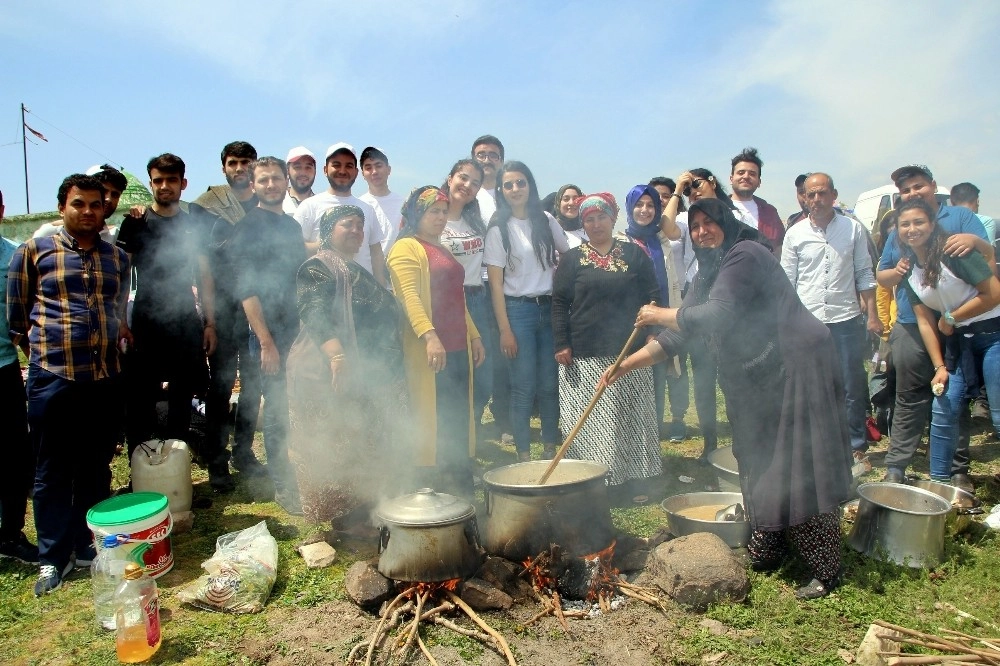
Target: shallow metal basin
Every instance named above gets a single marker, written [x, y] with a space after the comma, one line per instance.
[735, 534]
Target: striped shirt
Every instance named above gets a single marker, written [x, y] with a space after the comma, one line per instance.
[68, 302]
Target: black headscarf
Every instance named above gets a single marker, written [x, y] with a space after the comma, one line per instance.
[710, 260]
[567, 223]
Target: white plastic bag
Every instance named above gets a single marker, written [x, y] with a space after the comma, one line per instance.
[993, 520]
[240, 575]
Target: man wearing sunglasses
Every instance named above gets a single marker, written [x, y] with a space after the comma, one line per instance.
[745, 179]
[488, 151]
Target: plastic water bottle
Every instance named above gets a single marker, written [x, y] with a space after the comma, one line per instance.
[106, 573]
[137, 616]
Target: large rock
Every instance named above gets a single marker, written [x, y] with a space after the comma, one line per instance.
[318, 555]
[366, 586]
[697, 570]
[873, 643]
[483, 596]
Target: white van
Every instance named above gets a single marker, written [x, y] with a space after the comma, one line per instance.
[873, 204]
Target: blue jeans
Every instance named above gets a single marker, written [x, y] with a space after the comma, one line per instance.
[73, 427]
[849, 340]
[945, 409]
[477, 300]
[533, 372]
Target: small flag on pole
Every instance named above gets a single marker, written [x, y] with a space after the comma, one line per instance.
[35, 132]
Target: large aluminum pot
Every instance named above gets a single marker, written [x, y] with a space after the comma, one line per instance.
[571, 509]
[901, 524]
[427, 537]
[736, 534]
[964, 505]
[726, 469]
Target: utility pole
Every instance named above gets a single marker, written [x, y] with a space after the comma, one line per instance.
[24, 146]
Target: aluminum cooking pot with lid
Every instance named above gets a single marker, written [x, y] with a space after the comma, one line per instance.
[428, 537]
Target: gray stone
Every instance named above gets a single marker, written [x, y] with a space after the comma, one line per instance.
[183, 522]
[872, 645]
[317, 537]
[714, 627]
[633, 561]
[697, 570]
[366, 586]
[318, 555]
[483, 596]
[499, 573]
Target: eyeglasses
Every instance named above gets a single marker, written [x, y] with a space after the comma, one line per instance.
[491, 155]
[695, 184]
[520, 183]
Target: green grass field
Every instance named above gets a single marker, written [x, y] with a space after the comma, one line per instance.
[771, 627]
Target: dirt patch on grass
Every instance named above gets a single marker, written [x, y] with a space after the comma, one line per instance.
[635, 635]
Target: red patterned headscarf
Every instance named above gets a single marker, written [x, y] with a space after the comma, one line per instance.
[602, 201]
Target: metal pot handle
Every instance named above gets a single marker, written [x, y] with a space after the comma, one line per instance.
[972, 511]
[472, 532]
[383, 538]
[489, 504]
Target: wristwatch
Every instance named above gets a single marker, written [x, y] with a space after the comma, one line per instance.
[949, 318]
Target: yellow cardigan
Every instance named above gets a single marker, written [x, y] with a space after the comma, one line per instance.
[410, 273]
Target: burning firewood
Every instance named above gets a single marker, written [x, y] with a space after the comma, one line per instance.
[592, 577]
[412, 601]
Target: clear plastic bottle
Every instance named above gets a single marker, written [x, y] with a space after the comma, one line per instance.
[137, 616]
[106, 573]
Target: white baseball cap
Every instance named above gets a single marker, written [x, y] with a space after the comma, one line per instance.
[341, 147]
[299, 152]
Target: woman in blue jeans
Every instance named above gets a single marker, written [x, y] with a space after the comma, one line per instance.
[465, 237]
[522, 242]
[958, 297]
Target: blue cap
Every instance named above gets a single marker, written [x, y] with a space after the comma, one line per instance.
[114, 540]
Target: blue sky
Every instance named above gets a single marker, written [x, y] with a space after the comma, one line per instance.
[604, 95]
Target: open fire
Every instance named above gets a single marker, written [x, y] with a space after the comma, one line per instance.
[411, 607]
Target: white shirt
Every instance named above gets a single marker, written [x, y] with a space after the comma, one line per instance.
[289, 204]
[684, 257]
[576, 237]
[487, 203]
[523, 275]
[828, 267]
[950, 293]
[388, 210]
[310, 210]
[467, 247]
[750, 210]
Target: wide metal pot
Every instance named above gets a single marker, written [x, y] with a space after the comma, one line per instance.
[427, 537]
[736, 534]
[964, 505]
[571, 509]
[726, 469]
[901, 524]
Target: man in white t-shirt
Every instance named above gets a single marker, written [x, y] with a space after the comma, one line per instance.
[488, 151]
[301, 176]
[745, 179]
[388, 205]
[341, 170]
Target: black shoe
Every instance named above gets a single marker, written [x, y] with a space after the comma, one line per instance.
[814, 589]
[963, 482]
[981, 412]
[20, 549]
[221, 481]
[49, 578]
[249, 465]
[289, 501]
[678, 431]
[766, 566]
[894, 475]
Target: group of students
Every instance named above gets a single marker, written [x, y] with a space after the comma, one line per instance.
[495, 298]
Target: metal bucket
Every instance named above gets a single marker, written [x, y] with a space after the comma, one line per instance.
[901, 524]
[726, 469]
[571, 509]
[736, 534]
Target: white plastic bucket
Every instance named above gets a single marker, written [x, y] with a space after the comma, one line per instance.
[145, 518]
